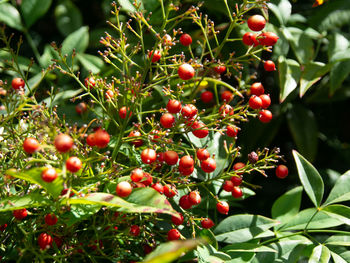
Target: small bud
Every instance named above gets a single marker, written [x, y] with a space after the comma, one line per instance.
[253, 157]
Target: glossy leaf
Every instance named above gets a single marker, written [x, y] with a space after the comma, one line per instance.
[79, 213]
[338, 42]
[338, 240]
[301, 44]
[241, 228]
[32, 10]
[341, 56]
[168, 252]
[77, 40]
[287, 205]
[312, 73]
[289, 76]
[68, 17]
[340, 212]
[10, 16]
[310, 179]
[282, 10]
[320, 220]
[91, 63]
[320, 254]
[128, 6]
[26, 201]
[247, 247]
[339, 72]
[339, 258]
[208, 236]
[34, 176]
[340, 191]
[141, 200]
[208, 253]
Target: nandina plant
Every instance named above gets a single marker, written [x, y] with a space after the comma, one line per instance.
[156, 159]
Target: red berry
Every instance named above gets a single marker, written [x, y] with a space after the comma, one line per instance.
[237, 192]
[63, 143]
[249, 39]
[186, 161]
[226, 110]
[184, 202]
[123, 112]
[207, 96]
[65, 191]
[194, 198]
[81, 108]
[155, 135]
[148, 156]
[49, 174]
[186, 171]
[156, 57]
[136, 142]
[203, 154]
[186, 71]
[90, 82]
[17, 83]
[90, 139]
[238, 166]
[265, 116]
[236, 180]
[167, 120]
[109, 94]
[269, 65]
[158, 187]
[231, 131]
[208, 165]
[228, 186]
[50, 219]
[174, 106]
[177, 220]
[123, 189]
[73, 164]
[268, 39]
[222, 207]
[200, 130]
[266, 101]
[227, 96]
[186, 39]
[257, 89]
[45, 241]
[3, 227]
[148, 179]
[20, 214]
[136, 175]
[171, 157]
[255, 102]
[31, 145]
[281, 171]
[102, 138]
[207, 223]
[58, 241]
[189, 111]
[169, 191]
[173, 234]
[256, 22]
[134, 230]
[220, 69]
[146, 249]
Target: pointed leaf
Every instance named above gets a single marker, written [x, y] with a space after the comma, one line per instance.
[77, 40]
[34, 176]
[247, 247]
[68, 17]
[340, 191]
[310, 179]
[340, 212]
[338, 240]
[141, 200]
[287, 205]
[32, 10]
[289, 76]
[313, 72]
[337, 258]
[339, 72]
[26, 201]
[10, 16]
[320, 254]
[91, 63]
[241, 228]
[340, 56]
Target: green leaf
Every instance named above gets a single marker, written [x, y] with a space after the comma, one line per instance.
[34, 176]
[337, 42]
[168, 252]
[26, 201]
[62, 96]
[32, 10]
[339, 72]
[319, 220]
[287, 205]
[342, 55]
[289, 76]
[340, 191]
[141, 200]
[310, 179]
[320, 254]
[68, 17]
[340, 212]
[10, 16]
[247, 247]
[91, 63]
[241, 228]
[335, 20]
[209, 254]
[79, 213]
[313, 71]
[338, 240]
[208, 236]
[23, 62]
[128, 6]
[338, 258]
[77, 40]
[282, 10]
